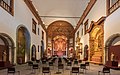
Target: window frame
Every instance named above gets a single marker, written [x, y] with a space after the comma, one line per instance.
[110, 8]
[8, 7]
[86, 26]
[82, 32]
[42, 35]
[34, 24]
[112, 3]
[78, 34]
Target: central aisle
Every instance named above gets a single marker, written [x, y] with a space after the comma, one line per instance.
[25, 69]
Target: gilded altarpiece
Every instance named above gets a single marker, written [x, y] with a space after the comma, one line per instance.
[96, 42]
[60, 38]
[78, 46]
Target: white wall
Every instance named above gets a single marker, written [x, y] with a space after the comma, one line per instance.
[98, 10]
[22, 16]
[112, 25]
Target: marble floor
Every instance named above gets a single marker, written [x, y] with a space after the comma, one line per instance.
[26, 70]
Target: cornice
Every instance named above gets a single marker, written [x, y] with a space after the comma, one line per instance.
[34, 12]
[85, 13]
[102, 19]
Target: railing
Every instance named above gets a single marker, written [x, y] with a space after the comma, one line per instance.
[114, 7]
[7, 7]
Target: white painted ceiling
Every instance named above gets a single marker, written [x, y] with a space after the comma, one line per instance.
[53, 10]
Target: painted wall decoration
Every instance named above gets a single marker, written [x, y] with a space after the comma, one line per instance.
[23, 45]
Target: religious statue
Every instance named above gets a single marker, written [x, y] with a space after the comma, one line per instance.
[112, 56]
[4, 55]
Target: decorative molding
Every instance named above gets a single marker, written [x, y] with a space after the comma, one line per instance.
[96, 41]
[50, 16]
[95, 23]
[60, 27]
[107, 7]
[85, 13]
[35, 13]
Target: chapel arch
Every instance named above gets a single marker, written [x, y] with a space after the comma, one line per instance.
[59, 29]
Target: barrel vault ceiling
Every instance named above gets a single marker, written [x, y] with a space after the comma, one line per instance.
[67, 10]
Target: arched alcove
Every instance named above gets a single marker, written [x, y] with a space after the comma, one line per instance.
[6, 50]
[86, 52]
[112, 50]
[33, 55]
[23, 44]
[42, 49]
[58, 31]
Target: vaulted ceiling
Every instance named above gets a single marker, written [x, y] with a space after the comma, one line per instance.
[61, 28]
[67, 10]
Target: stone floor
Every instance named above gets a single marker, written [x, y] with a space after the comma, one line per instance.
[25, 70]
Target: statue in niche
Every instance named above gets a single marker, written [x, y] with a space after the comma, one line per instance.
[4, 55]
[112, 56]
